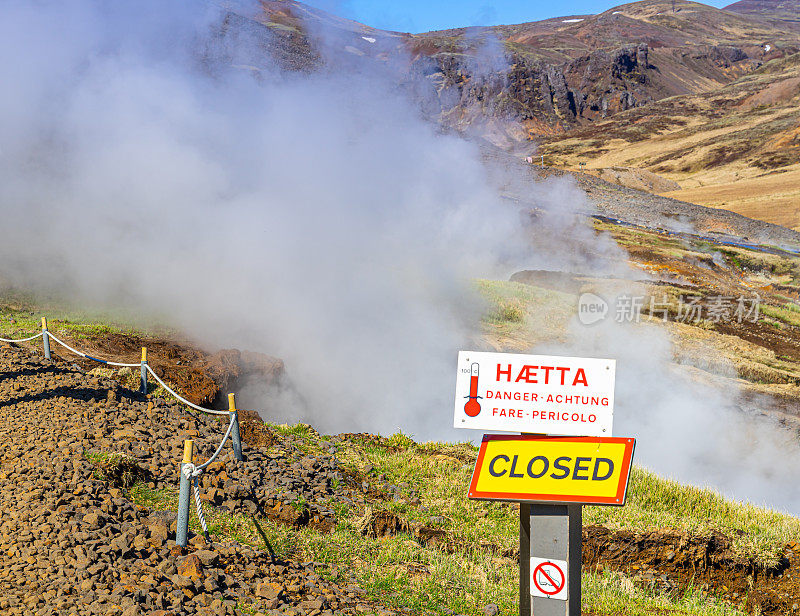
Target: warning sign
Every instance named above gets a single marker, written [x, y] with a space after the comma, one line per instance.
[549, 578]
[553, 469]
[540, 394]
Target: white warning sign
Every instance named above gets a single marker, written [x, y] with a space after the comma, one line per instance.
[549, 578]
[540, 394]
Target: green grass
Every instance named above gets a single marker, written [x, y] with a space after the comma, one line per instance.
[777, 265]
[525, 313]
[476, 567]
[788, 313]
[117, 468]
[613, 593]
[21, 316]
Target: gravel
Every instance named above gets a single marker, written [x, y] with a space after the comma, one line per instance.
[71, 543]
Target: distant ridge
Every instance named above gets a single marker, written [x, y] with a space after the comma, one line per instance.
[788, 10]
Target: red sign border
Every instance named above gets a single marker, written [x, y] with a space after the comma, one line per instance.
[539, 588]
[617, 500]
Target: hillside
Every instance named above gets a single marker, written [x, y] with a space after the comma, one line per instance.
[671, 144]
[787, 10]
[573, 71]
[737, 147]
[511, 83]
[314, 524]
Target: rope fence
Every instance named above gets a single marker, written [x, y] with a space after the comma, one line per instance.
[178, 396]
[22, 339]
[87, 356]
[189, 473]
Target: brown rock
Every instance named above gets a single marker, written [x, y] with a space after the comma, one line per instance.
[311, 605]
[191, 567]
[92, 519]
[269, 590]
[140, 542]
[181, 581]
[207, 557]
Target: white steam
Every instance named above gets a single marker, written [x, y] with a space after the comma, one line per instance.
[688, 426]
[313, 217]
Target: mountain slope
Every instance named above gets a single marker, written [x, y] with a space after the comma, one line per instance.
[737, 147]
[570, 72]
[511, 83]
[788, 10]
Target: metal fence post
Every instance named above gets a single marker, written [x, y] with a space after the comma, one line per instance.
[524, 559]
[235, 437]
[182, 533]
[45, 338]
[143, 380]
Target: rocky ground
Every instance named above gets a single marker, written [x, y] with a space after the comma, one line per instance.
[72, 542]
[75, 541]
[518, 181]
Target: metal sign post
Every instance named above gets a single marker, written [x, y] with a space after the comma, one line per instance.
[524, 559]
[554, 578]
[571, 460]
[552, 477]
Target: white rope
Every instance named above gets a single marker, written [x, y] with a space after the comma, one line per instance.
[203, 466]
[82, 354]
[181, 398]
[199, 506]
[192, 473]
[21, 339]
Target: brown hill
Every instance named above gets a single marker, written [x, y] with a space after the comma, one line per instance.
[568, 72]
[700, 96]
[545, 77]
[788, 10]
[737, 147]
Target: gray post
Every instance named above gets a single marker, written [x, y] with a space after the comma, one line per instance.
[524, 559]
[45, 338]
[143, 378]
[575, 557]
[184, 495]
[556, 533]
[235, 437]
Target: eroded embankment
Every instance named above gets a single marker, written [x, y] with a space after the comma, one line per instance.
[203, 377]
[671, 561]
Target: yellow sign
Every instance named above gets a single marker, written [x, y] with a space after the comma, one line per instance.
[553, 469]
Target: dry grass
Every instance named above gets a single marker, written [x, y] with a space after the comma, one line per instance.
[519, 316]
[737, 147]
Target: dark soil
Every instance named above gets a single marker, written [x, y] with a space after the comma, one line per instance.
[203, 378]
[671, 561]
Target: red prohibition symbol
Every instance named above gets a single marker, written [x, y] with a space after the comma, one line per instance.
[557, 578]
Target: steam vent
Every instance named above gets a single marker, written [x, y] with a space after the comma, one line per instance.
[358, 309]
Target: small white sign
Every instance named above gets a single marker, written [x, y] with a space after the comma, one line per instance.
[540, 394]
[549, 578]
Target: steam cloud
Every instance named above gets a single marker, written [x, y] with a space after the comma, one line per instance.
[317, 218]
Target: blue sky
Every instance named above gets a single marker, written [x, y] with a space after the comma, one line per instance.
[422, 15]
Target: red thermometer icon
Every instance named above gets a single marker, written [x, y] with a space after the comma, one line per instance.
[473, 407]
